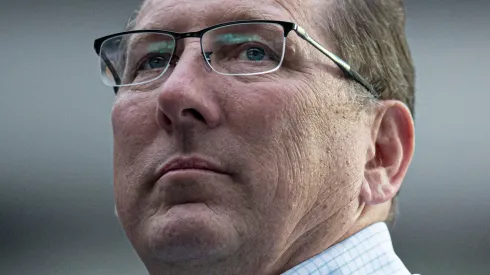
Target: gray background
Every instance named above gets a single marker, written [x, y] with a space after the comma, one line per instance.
[56, 203]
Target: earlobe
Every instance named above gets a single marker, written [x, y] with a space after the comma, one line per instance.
[377, 187]
[390, 152]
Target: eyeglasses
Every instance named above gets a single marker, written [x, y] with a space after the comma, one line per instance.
[236, 48]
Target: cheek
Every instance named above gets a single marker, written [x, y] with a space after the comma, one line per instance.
[269, 119]
[304, 144]
[134, 129]
[256, 118]
[257, 112]
[339, 138]
[134, 125]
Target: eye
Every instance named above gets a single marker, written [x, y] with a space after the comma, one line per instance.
[254, 54]
[154, 62]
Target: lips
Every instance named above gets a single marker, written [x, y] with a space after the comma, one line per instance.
[187, 186]
[194, 163]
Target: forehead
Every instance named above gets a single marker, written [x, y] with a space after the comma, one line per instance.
[190, 15]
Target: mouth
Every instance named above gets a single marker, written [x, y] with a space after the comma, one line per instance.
[188, 180]
[189, 165]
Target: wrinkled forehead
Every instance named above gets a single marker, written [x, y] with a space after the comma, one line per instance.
[191, 15]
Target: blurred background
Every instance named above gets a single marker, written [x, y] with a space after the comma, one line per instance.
[56, 202]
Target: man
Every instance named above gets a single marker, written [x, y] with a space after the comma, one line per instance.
[243, 144]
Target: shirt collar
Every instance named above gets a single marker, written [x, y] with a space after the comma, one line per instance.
[369, 251]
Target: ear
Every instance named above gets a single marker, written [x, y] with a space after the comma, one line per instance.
[389, 153]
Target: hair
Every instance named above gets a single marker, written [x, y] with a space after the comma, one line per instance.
[370, 36]
[131, 23]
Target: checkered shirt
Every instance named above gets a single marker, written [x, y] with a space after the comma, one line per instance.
[368, 252]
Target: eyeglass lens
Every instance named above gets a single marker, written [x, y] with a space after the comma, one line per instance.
[238, 49]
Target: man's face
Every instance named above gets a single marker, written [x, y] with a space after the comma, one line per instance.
[288, 146]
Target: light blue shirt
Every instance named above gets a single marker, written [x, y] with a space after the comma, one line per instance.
[368, 252]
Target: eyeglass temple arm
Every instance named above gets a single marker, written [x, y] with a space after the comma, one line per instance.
[337, 60]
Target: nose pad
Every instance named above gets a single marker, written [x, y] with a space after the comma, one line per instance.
[207, 56]
[207, 61]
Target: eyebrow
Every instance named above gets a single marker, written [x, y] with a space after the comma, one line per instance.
[246, 13]
[242, 12]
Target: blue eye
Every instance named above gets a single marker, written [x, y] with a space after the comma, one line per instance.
[155, 62]
[256, 54]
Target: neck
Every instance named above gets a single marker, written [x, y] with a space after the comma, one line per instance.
[331, 232]
[313, 239]
[245, 261]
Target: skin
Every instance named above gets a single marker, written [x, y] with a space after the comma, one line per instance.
[304, 164]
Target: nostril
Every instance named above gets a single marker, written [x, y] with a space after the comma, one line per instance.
[167, 120]
[194, 113]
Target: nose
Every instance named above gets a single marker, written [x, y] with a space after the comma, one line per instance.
[186, 98]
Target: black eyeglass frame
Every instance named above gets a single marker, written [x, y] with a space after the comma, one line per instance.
[287, 27]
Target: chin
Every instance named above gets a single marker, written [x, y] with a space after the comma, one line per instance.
[190, 232]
